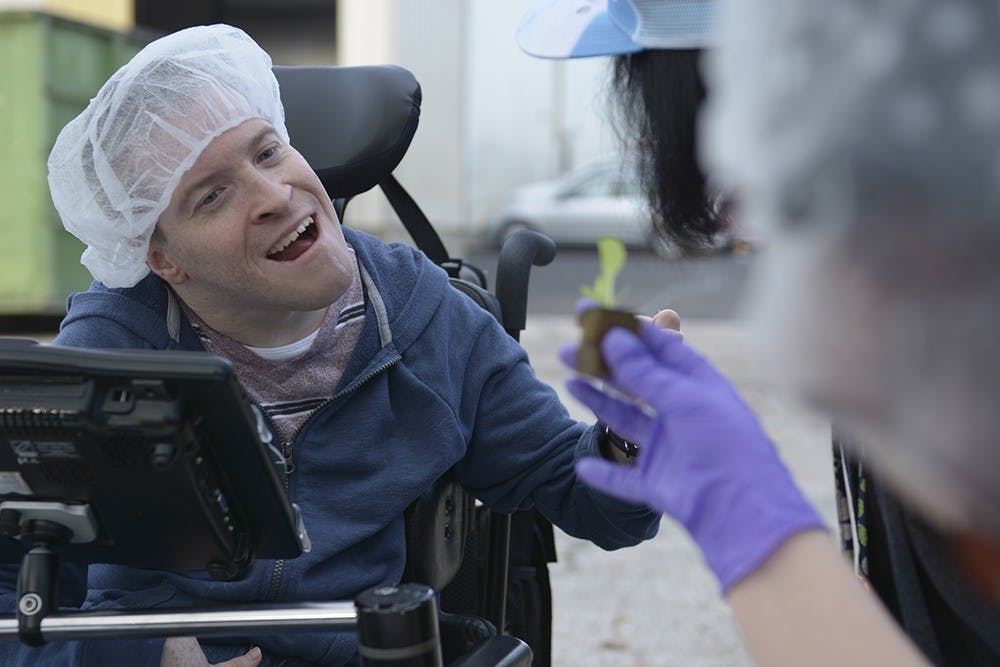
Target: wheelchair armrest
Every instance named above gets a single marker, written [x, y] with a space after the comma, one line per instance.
[501, 651]
[437, 524]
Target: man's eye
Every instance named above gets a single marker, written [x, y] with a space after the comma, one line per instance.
[267, 154]
[212, 196]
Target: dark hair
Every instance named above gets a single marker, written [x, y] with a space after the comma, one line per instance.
[657, 97]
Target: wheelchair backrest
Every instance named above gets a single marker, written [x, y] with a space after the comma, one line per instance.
[352, 124]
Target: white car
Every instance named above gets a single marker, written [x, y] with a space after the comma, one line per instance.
[602, 198]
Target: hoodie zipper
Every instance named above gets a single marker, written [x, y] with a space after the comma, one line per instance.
[279, 564]
[288, 447]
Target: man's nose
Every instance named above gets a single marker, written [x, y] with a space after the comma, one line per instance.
[272, 197]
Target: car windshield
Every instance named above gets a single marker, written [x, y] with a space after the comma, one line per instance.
[611, 178]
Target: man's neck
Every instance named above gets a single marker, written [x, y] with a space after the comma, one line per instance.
[261, 328]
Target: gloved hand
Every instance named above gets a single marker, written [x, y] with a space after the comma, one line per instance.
[704, 459]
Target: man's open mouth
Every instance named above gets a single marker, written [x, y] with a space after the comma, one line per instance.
[294, 243]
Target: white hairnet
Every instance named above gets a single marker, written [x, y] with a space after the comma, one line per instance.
[863, 140]
[114, 167]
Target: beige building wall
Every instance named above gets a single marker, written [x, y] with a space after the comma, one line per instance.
[427, 38]
[492, 117]
[364, 37]
[365, 32]
[113, 14]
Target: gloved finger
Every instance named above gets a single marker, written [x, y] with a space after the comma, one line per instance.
[634, 370]
[681, 358]
[567, 354]
[612, 479]
[666, 347]
[626, 419]
[584, 304]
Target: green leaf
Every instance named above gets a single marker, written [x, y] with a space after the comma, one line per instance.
[611, 255]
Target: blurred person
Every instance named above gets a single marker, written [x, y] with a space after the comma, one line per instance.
[831, 122]
[206, 230]
[657, 91]
[878, 193]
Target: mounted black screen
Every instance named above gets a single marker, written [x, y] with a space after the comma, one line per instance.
[162, 446]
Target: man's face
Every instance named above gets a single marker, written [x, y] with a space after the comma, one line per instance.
[250, 235]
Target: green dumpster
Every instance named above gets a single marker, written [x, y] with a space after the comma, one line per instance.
[49, 70]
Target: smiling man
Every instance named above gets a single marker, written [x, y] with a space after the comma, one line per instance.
[206, 230]
[250, 240]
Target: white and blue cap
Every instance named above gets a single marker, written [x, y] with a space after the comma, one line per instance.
[584, 28]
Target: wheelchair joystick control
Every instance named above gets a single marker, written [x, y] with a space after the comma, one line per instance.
[10, 523]
[37, 580]
[398, 625]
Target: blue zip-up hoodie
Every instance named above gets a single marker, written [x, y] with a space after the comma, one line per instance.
[434, 382]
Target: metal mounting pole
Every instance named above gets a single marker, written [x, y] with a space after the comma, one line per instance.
[180, 622]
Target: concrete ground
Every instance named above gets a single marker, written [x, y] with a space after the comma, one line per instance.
[657, 604]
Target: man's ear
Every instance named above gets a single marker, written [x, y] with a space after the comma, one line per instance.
[980, 559]
[162, 265]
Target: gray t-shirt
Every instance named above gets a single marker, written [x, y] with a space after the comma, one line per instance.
[287, 390]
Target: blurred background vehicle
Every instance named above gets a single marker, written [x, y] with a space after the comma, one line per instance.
[599, 198]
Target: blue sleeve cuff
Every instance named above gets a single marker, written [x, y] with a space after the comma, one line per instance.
[589, 445]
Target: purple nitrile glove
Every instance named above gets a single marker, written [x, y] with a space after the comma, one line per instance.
[703, 458]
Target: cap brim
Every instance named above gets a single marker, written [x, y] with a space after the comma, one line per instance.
[572, 29]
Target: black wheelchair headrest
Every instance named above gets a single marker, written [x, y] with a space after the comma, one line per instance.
[352, 124]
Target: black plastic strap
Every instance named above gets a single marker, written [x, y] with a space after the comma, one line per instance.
[414, 220]
[609, 438]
